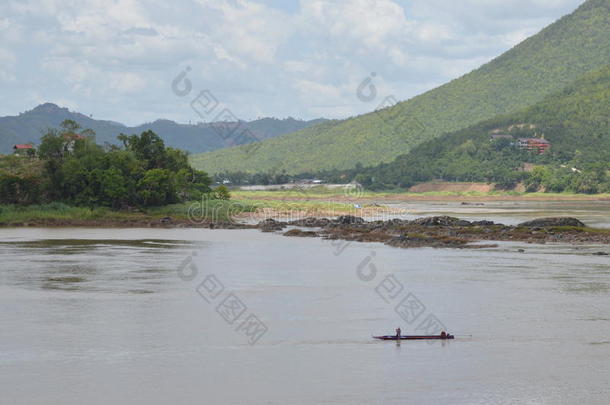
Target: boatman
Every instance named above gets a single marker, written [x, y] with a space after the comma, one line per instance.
[443, 335]
[398, 333]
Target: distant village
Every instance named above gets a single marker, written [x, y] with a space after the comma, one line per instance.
[536, 144]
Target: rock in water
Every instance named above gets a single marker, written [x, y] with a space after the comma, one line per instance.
[300, 233]
[554, 221]
[484, 223]
[349, 220]
[271, 225]
[440, 221]
[311, 222]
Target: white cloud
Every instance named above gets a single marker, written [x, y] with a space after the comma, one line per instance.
[7, 66]
[117, 58]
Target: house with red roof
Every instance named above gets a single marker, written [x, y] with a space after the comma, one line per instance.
[536, 145]
[23, 148]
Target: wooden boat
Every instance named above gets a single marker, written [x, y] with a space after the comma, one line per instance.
[421, 337]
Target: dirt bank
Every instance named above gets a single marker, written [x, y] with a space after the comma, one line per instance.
[452, 187]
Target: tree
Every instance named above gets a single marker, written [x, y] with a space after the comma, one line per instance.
[52, 146]
[176, 160]
[148, 147]
[113, 187]
[19, 190]
[586, 183]
[75, 170]
[69, 127]
[75, 185]
[222, 193]
[191, 184]
[538, 177]
[156, 188]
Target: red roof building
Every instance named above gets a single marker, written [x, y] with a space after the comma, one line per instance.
[536, 145]
[22, 146]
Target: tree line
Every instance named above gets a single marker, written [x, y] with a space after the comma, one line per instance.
[70, 167]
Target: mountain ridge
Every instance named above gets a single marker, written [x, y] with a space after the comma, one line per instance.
[28, 127]
[570, 47]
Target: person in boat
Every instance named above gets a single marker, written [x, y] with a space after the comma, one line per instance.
[398, 333]
[443, 335]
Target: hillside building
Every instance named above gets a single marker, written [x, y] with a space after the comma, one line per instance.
[535, 145]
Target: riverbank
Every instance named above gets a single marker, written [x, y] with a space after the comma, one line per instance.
[431, 231]
[191, 214]
[356, 195]
[203, 213]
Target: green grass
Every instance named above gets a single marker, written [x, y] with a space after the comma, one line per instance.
[575, 229]
[59, 214]
[62, 214]
[312, 206]
[11, 214]
[316, 193]
[329, 194]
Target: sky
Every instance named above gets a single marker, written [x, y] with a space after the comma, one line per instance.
[134, 61]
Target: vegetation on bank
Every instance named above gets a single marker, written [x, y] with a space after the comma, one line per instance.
[320, 201]
[191, 213]
[295, 205]
[72, 180]
[340, 195]
[543, 64]
[69, 167]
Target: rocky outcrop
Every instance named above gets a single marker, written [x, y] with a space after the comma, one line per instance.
[311, 222]
[484, 223]
[554, 221]
[349, 220]
[271, 225]
[420, 240]
[440, 221]
[441, 231]
[301, 233]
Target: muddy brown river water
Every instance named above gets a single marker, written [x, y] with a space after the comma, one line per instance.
[158, 316]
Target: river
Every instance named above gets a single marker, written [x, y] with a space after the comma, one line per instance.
[592, 213]
[116, 316]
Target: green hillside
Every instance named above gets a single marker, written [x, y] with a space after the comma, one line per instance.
[574, 45]
[575, 120]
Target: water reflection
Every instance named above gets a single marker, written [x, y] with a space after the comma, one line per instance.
[592, 213]
[79, 317]
[108, 265]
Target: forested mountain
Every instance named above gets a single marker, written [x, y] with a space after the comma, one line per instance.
[575, 121]
[523, 76]
[30, 125]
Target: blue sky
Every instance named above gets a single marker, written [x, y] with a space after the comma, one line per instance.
[116, 59]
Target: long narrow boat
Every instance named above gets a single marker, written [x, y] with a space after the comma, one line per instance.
[423, 337]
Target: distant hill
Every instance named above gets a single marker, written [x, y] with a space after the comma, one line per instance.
[575, 120]
[28, 127]
[523, 76]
